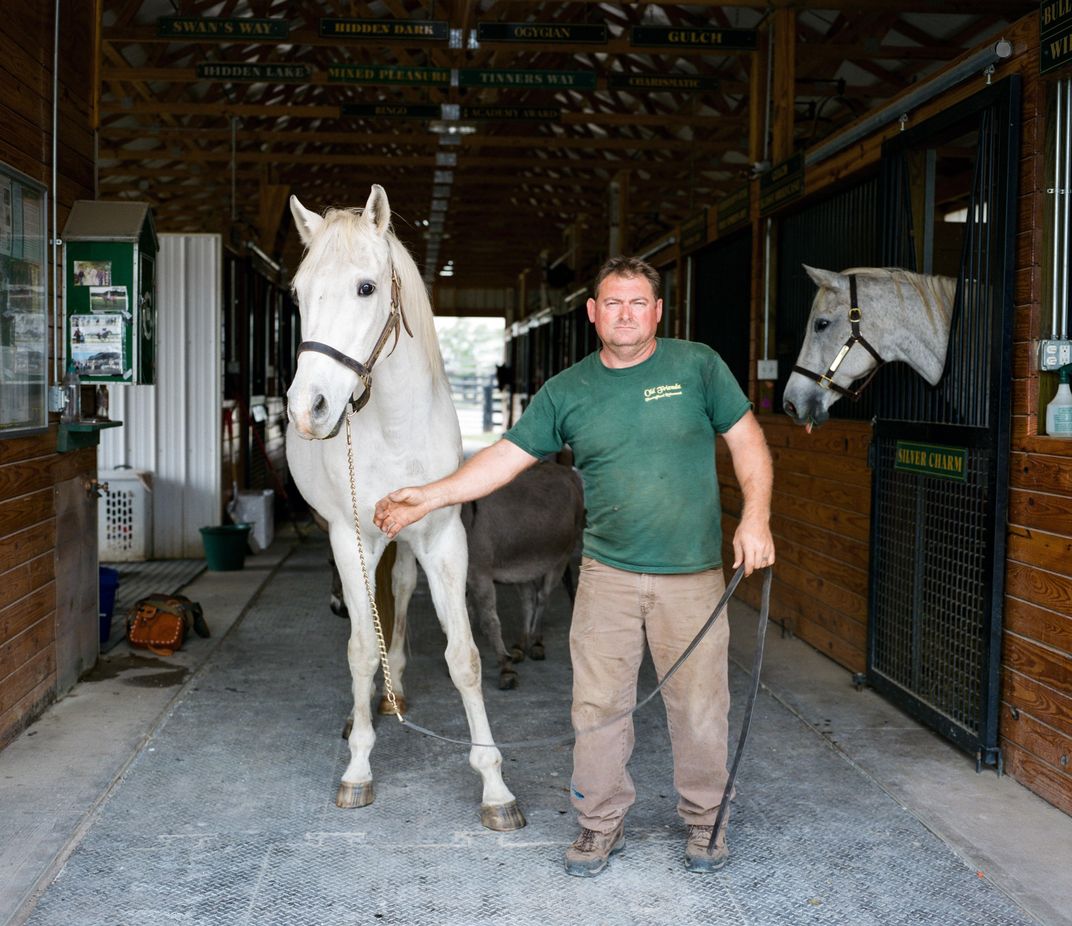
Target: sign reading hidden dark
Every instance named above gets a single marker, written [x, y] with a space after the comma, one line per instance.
[677, 37]
[1055, 34]
[272, 73]
[932, 460]
[211, 27]
[733, 211]
[547, 33]
[421, 30]
[781, 184]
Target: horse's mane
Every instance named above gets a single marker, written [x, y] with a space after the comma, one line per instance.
[338, 238]
[934, 291]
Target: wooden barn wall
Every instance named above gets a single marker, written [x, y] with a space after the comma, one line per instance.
[821, 499]
[30, 468]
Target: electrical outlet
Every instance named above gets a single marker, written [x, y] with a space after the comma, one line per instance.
[1054, 354]
[766, 369]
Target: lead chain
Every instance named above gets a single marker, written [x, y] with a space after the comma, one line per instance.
[388, 687]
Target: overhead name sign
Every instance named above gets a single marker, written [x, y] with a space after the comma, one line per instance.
[423, 30]
[932, 460]
[733, 211]
[500, 77]
[209, 27]
[566, 33]
[355, 74]
[274, 73]
[675, 37]
[465, 114]
[674, 82]
[1055, 34]
[781, 184]
[694, 232]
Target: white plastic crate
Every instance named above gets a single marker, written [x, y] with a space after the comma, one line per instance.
[124, 516]
[256, 508]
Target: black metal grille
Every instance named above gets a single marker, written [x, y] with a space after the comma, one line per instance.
[837, 233]
[723, 290]
[930, 582]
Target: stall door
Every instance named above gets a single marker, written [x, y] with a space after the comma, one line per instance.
[940, 454]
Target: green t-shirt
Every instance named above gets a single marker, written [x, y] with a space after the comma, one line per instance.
[644, 440]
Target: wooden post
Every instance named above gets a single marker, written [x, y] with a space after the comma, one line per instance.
[784, 89]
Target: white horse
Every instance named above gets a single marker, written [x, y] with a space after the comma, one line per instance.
[357, 288]
[889, 314]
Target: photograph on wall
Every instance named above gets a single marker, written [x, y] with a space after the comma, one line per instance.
[92, 273]
[97, 344]
[27, 330]
[108, 299]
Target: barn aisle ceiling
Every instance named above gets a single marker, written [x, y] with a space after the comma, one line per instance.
[497, 128]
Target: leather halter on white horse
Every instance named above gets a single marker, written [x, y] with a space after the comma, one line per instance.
[826, 380]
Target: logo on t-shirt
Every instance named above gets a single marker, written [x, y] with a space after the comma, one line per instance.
[662, 392]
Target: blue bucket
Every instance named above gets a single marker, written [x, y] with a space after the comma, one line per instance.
[109, 582]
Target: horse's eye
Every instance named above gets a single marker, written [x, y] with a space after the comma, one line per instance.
[821, 324]
[366, 288]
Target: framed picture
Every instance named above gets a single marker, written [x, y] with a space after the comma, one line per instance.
[23, 305]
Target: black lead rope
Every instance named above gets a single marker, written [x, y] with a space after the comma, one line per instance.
[757, 664]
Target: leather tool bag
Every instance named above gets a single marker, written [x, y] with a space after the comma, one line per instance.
[159, 623]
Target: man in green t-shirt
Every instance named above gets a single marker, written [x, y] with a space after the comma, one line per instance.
[640, 416]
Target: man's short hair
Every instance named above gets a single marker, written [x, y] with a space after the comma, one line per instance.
[629, 267]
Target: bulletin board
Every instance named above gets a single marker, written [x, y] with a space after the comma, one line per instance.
[23, 304]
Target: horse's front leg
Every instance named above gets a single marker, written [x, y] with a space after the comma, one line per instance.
[444, 556]
[362, 654]
[403, 582]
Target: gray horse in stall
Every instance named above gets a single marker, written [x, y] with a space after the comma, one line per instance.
[860, 319]
[523, 534]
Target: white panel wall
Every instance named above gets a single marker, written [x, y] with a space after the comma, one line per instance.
[172, 429]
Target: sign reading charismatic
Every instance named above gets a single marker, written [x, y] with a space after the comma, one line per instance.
[782, 183]
[677, 37]
[1055, 34]
[272, 73]
[360, 74]
[677, 83]
[501, 77]
[932, 460]
[566, 33]
[424, 30]
[210, 27]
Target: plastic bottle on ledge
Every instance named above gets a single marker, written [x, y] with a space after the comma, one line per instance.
[101, 413]
[1059, 411]
[72, 394]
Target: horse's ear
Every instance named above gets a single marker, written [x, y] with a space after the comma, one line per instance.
[378, 210]
[308, 223]
[825, 279]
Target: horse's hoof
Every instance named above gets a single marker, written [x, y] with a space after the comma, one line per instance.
[536, 652]
[507, 679]
[388, 711]
[517, 654]
[354, 795]
[348, 728]
[503, 818]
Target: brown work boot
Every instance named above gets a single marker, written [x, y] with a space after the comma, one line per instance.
[587, 855]
[698, 857]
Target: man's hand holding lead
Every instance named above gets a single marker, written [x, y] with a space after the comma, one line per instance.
[753, 545]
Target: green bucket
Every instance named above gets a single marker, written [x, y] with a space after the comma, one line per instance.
[225, 546]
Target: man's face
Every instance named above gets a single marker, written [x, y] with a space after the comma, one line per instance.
[625, 311]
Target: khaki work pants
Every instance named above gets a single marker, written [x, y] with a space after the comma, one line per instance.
[613, 614]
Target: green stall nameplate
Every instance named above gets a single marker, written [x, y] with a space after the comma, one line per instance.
[677, 37]
[1055, 34]
[268, 73]
[673, 82]
[932, 460]
[502, 77]
[356, 74]
[783, 183]
[733, 211]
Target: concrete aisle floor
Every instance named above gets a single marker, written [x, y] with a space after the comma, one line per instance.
[199, 790]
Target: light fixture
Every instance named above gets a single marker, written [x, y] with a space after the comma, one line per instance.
[439, 127]
[446, 159]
